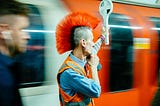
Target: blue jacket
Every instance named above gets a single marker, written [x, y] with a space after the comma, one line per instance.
[9, 94]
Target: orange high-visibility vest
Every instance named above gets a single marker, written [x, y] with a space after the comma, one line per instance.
[68, 63]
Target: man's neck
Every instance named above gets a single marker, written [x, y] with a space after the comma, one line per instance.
[79, 54]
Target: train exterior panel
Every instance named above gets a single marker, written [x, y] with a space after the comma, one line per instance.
[130, 64]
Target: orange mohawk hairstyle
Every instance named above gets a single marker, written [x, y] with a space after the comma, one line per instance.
[64, 28]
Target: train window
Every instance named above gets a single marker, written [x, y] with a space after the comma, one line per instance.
[121, 60]
[31, 63]
[156, 22]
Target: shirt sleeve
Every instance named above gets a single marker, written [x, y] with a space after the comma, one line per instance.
[72, 82]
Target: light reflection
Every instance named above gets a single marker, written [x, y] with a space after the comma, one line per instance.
[155, 28]
[43, 31]
[111, 26]
[127, 27]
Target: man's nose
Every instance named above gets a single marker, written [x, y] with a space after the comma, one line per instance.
[27, 36]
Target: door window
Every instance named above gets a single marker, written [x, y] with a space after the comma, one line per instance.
[121, 55]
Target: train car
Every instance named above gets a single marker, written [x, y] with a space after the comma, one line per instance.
[130, 63]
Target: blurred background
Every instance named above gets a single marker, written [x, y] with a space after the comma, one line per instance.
[130, 64]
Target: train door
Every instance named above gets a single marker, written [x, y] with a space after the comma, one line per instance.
[118, 90]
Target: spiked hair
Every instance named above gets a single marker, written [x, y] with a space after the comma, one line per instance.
[66, 27]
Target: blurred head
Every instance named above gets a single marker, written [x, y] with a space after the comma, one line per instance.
[82, 39]
[13, 19]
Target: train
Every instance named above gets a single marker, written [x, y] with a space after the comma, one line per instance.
[130, 63]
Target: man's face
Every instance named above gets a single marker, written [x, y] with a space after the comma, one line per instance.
[19, 37]
[14, 39]
[89, 43]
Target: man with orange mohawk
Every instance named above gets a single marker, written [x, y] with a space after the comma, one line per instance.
[78, 78]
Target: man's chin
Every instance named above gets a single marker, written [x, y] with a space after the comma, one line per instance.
[22, 50]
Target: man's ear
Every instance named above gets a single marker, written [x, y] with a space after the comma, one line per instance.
[83, 42]
[4, 31]
[6, 34]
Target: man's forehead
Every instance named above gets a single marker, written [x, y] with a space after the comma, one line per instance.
[11, 20]
[7, 19]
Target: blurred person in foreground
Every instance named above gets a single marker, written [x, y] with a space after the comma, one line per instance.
[78, 77]
[13, 19]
